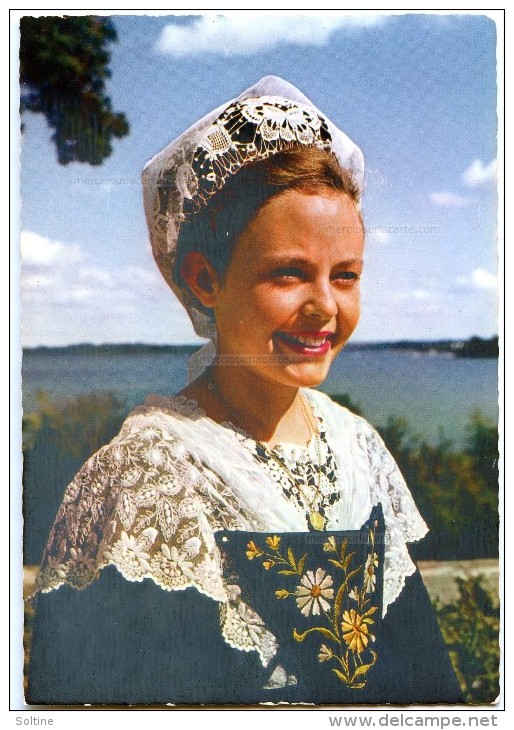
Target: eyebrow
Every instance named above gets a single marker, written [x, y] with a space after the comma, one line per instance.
[301, 261]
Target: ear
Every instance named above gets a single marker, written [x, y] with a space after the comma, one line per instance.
[201, 278]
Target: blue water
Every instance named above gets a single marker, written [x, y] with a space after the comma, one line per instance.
[435, 393]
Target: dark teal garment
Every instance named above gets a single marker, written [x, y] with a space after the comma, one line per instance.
[119, 642]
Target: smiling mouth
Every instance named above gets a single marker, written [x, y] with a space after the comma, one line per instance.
[307, 343]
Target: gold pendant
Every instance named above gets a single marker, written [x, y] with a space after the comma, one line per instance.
[317, 520]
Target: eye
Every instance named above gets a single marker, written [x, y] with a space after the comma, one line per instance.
[287, 273]
[347, 277]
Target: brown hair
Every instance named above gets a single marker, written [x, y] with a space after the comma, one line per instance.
[215, 229]
[310, 170]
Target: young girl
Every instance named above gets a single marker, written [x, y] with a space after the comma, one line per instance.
[246, 540]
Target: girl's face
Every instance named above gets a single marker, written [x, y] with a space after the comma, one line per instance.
[290, 298]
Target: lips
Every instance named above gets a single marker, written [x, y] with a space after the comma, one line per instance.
[307, 343]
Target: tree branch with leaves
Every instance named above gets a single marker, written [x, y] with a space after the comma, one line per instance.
[64, 65]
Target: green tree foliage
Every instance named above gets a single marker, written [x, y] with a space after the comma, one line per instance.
[455, 491]
[470, 627]
[63, 69]
[57, 438]
[482, 447]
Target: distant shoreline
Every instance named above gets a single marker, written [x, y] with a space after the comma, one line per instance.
[475, 347]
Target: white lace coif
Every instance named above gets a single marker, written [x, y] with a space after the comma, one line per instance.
[265, 119]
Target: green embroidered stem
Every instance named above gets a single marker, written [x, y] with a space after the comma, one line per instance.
[276, 557]
[321, 629]
[343, 676]
[340, 595]
[342, 662]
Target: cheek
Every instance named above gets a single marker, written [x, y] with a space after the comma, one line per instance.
[250, 312]
[350, 309]
[269, 305]
[278, 301]
[357, 304]
[357, 312]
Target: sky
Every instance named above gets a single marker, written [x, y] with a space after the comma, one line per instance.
[416, 92]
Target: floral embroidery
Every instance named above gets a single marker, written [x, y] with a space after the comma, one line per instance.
[369, 572]
[355, 629]
[119, 491]
[344, 602]
[273, 542]
[324, 653]
[78, 568]
[330, 545]
[174, 570]
[130, 553]
[253, 551]
[313, 592]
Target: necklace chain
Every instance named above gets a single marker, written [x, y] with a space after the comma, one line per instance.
[316, 519]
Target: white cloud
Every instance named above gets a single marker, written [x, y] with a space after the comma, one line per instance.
[37, 250]
[479, 279]
[249, 33]
[483, 279]
[449, 200]
[146, 278]
[421, 294]
[55, 273]
[478, 173]
[94, 274]
[75, 294]
[35, 282]
[67, 297]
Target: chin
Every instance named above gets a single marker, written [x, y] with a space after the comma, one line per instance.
[308, 375]
[311, 373]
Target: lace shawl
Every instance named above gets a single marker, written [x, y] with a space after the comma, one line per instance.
[151, 501]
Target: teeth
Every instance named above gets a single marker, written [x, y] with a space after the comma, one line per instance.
[309, 341]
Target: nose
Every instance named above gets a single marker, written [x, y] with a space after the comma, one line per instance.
[321, 301]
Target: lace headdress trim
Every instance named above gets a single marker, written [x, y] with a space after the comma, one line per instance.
[268, 118]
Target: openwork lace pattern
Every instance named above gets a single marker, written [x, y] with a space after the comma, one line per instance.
[247, 131]
[402, 519]
[143, 505]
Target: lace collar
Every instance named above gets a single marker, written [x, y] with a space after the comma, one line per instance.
[172, 473]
